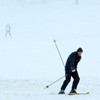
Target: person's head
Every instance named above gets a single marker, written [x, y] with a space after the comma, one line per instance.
[79, 51]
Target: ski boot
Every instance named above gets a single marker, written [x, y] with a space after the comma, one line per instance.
[61, 92]
[73, 92]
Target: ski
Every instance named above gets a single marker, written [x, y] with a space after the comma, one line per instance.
[72, 94]
[85, 93]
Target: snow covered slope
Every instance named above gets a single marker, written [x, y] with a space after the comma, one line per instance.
[29, 60]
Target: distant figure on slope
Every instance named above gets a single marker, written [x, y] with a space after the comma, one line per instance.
[8, 30]
[71, 71]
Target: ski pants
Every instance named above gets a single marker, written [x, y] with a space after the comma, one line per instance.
[76, 78]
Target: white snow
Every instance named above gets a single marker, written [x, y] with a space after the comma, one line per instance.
[29, 60]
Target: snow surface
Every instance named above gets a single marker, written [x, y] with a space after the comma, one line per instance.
[29, 60]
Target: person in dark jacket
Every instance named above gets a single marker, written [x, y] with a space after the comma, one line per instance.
[71, 71]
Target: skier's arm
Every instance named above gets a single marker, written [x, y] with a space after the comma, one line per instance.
[78, 62]
[71, 60]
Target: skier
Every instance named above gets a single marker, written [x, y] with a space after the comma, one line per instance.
[71, 71]
[8, 30]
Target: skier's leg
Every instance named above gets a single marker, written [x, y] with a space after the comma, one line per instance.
[65, 83]
[76, 80]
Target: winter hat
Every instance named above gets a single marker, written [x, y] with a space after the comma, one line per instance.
[80, 50]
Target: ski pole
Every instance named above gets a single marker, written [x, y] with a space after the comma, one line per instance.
[54, 82]
[62, 63]
[76, 2]
[59, 53]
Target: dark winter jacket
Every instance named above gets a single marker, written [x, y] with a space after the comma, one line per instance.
[72, 62]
